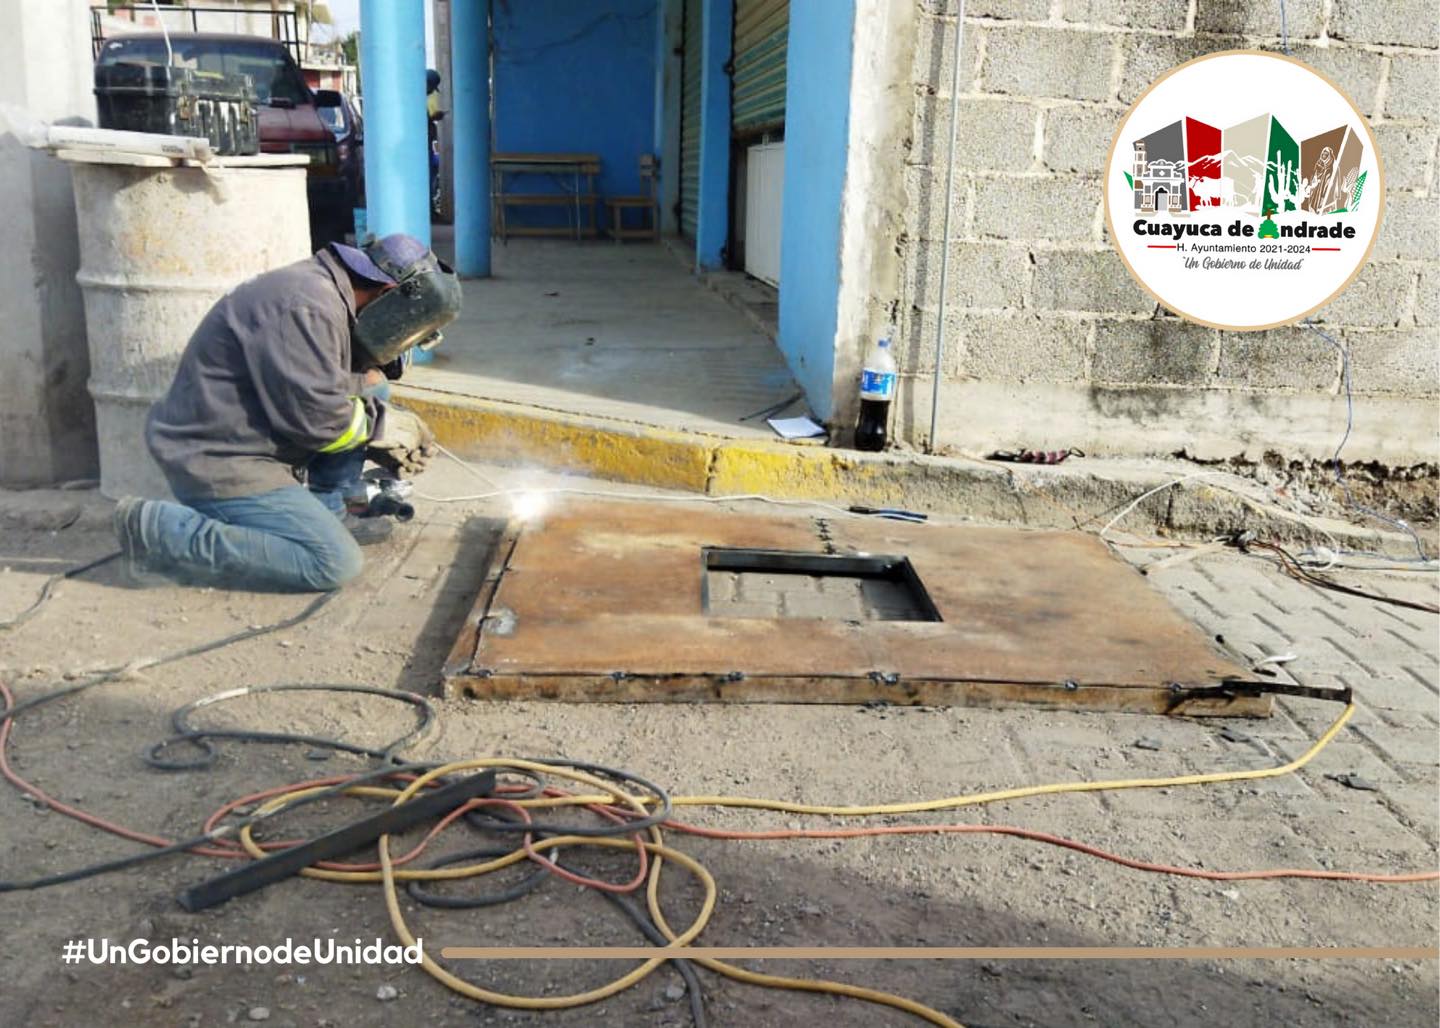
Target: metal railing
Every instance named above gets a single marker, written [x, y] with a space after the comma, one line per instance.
[284, 23]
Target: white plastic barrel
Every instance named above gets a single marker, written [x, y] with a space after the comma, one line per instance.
[158, 247]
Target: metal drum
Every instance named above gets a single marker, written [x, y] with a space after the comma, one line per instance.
[158, 247]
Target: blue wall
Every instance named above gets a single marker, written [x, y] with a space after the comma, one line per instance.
[576, 77]
[817, 124]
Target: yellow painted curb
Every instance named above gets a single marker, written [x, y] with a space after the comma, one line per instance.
[804, 472]
[1039, 496]
[645, 455]
[560, 442]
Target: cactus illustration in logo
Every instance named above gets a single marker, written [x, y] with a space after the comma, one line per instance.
[1355, 193]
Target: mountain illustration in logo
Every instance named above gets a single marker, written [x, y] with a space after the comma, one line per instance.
[1256, 166]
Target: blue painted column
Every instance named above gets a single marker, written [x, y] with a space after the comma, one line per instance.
[713, 219]
[470, 69]
[397, 147]
[817, 131]
[662, 52]
[669, 68]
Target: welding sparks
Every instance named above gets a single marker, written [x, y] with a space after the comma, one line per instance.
[528, 505]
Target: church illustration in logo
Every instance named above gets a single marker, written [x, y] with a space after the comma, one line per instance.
[1255, 166]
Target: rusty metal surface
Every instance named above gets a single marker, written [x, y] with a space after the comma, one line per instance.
[603, 601]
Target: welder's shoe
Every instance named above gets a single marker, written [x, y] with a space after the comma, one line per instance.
[134, 564]
[368, 531]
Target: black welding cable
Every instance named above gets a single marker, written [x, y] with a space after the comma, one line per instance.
[1292, 567]
[522, 888]
[48, 589]
[200, 738]
[102, 676]
[122, 863]
[621, 777]
[684, 967]
[105, 675]
[227, 831]
[529, 884]
[486, 819]
[537, 785]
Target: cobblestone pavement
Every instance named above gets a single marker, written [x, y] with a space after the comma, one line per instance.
[1389, 656]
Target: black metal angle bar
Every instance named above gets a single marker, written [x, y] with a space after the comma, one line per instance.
[346, 839]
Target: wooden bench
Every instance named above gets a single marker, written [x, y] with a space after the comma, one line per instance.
[575, 171]
[618, 205]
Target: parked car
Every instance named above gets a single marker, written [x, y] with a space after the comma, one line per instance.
[290, 119]
[348, 127]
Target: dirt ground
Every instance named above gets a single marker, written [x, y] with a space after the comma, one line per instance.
[393, 628]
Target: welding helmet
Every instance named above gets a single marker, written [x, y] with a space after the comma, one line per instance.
[425, 297]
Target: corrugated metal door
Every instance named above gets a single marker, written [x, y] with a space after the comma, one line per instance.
[762, 30]
[693, 50]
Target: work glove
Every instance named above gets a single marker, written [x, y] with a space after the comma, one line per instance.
[375, 386]
[403, 445]
[397, 367]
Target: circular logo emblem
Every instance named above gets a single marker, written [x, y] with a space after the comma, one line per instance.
[1243, 190]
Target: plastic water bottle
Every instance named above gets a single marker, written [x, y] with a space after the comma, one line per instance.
[877, 389]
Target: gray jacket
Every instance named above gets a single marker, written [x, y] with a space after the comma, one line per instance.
[265, 383]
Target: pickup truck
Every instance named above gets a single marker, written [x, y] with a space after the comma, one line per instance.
[290, 121]
[346, 122]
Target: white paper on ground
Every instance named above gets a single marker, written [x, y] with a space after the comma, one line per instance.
[795, 428]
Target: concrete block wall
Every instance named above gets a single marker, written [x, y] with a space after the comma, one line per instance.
[1048, 341]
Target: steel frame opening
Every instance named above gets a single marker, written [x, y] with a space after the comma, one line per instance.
[606, 601]
[892, 569]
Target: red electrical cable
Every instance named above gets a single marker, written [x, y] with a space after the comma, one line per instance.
[79, 815]
[232, 851]
[570, 876]
[223, 849]
[1053, 840]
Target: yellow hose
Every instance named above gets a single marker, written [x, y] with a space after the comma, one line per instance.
[464, 988]
[1024, 792]
[610, 795]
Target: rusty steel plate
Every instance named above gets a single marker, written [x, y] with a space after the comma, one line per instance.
[605, 601]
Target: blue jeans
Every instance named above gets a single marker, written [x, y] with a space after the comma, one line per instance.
[289, 539]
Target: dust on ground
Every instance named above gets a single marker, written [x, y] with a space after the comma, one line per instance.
[394, 627]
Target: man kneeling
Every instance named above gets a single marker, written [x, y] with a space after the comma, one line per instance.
[283, 383]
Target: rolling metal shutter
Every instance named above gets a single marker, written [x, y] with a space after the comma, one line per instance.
[690, 119]
[762, 30]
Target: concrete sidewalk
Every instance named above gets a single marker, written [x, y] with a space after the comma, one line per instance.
[620, 333]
